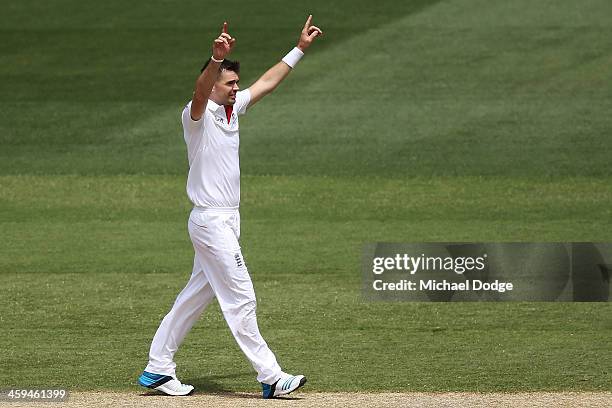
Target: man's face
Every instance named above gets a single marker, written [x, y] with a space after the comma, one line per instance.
[224, 90]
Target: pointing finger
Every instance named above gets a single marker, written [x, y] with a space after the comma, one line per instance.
[225, 26]
[308, 22]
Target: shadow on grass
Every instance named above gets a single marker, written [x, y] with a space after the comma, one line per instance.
[211, 384]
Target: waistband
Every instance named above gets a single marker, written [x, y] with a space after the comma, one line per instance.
[218, 210]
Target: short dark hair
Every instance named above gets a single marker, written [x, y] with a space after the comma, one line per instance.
[226, 65]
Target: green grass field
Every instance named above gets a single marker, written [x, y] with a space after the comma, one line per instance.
[408, 121]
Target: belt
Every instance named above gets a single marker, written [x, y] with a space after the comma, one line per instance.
[227, 210]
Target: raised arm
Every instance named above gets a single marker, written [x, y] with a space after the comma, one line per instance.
[275, 75]
[222, 46]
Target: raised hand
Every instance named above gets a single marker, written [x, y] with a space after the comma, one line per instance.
[223, 44]
[309, 33]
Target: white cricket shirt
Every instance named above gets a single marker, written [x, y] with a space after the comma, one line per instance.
[212, 150]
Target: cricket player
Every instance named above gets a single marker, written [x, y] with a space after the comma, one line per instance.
[210, 130]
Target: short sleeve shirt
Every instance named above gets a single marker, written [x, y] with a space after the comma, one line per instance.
[212, 150]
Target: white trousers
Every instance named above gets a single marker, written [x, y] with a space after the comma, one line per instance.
[218, 271]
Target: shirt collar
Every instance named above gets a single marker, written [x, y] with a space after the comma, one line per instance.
[214, 107]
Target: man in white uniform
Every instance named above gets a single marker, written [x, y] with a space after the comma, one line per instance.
[210, 125]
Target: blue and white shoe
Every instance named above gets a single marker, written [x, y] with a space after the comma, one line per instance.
[286, 384]
[167, 384]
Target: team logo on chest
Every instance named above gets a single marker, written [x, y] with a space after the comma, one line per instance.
[229, 119]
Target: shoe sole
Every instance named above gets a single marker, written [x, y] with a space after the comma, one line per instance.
[168, 391]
